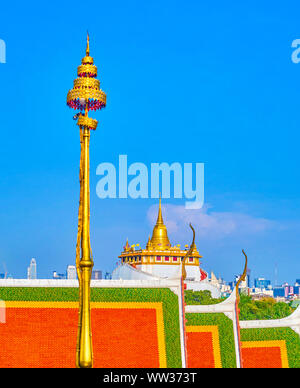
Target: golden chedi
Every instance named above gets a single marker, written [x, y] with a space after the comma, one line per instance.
[160, 258]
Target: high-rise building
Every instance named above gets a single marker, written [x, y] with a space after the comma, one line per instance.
[31, 270]
[249, 277]
[262, 283]
[244, 283]
[96, 275]
[297, 290]
[71, 272]
[58, 276]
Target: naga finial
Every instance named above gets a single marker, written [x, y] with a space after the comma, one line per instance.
[189, 252]
[242, 277]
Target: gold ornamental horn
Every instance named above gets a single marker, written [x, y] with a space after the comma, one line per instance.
[242, 278]
[188, 253]
[86, 95]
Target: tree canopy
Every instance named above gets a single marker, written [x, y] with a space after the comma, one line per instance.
[266, 308]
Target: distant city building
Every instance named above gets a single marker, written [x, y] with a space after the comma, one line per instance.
[249, 276]
[58, 275]
[290, 291]
[287, 292]
[2, 275]
[279, 292]
[244, 283]
[214, 280]
[96, 275]
[220, 284]
[31, 270]
[259, 293]
[71, 272]
[107, 275]
[262, 283]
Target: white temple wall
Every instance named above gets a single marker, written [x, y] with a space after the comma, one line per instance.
[170, 271]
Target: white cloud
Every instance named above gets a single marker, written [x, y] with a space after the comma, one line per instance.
[211, 224]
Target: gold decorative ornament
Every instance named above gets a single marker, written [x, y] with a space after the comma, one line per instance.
[85, 121]
[86, 69]
[86, 95]
[188, 254]
[242, 278]
[87, 83]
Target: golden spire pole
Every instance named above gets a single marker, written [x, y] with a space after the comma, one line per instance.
[86, 262]
[86, 95]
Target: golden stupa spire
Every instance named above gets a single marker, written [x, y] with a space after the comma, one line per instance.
[149, 245]
[160, 239]
[127, 246]
[160, 220]
[88, 45]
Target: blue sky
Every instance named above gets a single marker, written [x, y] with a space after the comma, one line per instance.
[185, 82]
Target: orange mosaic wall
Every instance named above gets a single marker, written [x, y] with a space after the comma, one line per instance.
[277, 347]
[264, 354]
[43, 334]
[209, 341]
[203, 348]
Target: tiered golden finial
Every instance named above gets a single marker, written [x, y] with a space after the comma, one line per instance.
[160, 239]
[85, 95]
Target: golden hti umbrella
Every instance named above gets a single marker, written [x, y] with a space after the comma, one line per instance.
[86, 95]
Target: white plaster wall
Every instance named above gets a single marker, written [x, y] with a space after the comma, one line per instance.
[170, 271]
[127, 272]
[161, 270]
[292, 321]
[228, 308]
